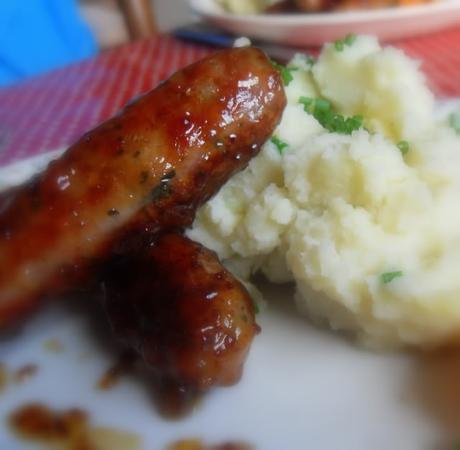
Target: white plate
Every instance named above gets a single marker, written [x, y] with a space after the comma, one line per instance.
[315, 29]
[303, 388]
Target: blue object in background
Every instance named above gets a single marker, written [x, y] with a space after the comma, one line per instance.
[39, 35]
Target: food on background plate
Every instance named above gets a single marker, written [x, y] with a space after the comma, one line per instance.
[246, 6]
[355, 200]
[140, 175]
[342, 5]
[310, 6]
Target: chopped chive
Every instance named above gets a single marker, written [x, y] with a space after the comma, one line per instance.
[285, 72]
[403, 146]
[339, 46]
[287, 75]
[321, 109]
[348, 41]
[388, 277]
[355, 122]
[322, 105]
[280, 145]
[310, 60]
[454, 121]
[306, 102]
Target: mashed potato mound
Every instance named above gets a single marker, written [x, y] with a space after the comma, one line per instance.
[366, 224]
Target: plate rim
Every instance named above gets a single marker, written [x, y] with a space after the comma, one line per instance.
[201, 7]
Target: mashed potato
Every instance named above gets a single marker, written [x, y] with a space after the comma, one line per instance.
[366, 224]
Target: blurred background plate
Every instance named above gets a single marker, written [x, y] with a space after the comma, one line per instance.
[315, 29]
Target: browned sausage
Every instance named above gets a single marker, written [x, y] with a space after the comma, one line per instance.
[182, 311]
[152, 165]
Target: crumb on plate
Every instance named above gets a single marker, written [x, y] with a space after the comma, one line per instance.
[25, 372]
[112, 375]
[197, 444]
[67, 430]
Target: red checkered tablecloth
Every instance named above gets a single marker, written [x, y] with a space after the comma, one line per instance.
[51, 111]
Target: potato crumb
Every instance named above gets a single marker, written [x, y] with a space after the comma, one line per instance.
[25, 372]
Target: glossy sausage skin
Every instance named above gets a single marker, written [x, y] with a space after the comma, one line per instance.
[148, 169]
[182, 311]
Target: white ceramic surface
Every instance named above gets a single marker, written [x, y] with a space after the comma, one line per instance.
[303, 388]
[315, 29]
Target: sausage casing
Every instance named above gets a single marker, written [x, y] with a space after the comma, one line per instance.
[150, 166]
[182, 311]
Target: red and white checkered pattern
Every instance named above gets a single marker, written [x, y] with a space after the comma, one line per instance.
[52, 110]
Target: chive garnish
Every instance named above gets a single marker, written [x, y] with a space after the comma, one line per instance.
[285, 72]
[348, 41]
[322, 111]
[454, 121]
[280, 145]
[388, 277]
[403, 146]
[310, 60]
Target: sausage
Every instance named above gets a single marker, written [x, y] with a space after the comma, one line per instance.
[148, 168]
[188, 318]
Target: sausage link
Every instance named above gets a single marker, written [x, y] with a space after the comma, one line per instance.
[182, 311]
[149, 167]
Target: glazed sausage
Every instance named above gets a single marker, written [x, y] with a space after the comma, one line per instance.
[148, 168]
[188, 318]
